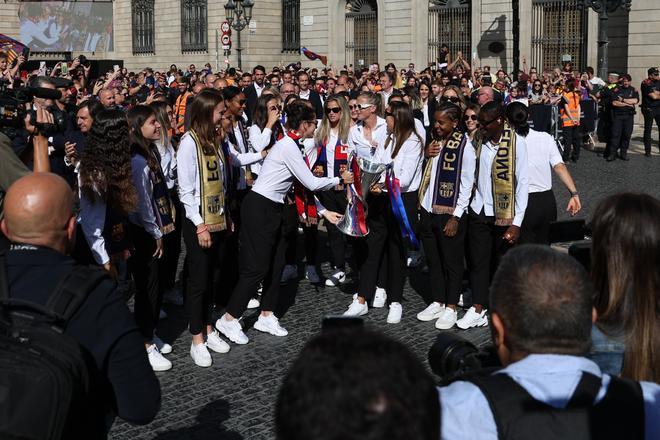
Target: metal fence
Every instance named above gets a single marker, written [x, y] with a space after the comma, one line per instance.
[361, 33]
[143, 26]
[450, 24]
[193, 25]
[559, 27]
[290, 25]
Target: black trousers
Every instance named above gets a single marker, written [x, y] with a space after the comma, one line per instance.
[541, 211]
[172, 245]
[206, 269]
[386, 249]
[622, 127]
[335, 201]
[486, 246]
[572, 142]
[452, 258]
[261, 253]
[145, 269]
[650, 115]
[432, 252]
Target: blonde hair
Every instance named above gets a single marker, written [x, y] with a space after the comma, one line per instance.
[343, 127]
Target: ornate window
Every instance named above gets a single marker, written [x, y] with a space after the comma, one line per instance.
[194, 26]
[449, 23]
[559, 29]
[290, 25]
[143, 26]
[361, 32]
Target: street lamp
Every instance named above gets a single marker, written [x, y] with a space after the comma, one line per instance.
[603, 8]
[239, 14]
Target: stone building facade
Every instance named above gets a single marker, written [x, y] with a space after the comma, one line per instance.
[398, 31]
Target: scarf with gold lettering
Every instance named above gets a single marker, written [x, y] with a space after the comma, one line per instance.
[503, 175]
[212, 168]
[162, 203]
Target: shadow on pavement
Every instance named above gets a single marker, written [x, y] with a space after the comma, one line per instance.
[209, 425]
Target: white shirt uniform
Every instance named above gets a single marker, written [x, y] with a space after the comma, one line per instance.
[258, 139]
[167, 163]
[283, 165]
[483, 196]
[407, 163]
[360, 145]
[259, 89]
[242, 146]
[543, 155]
[467, 181]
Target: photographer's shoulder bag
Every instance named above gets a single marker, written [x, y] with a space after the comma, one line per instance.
[619, 415]
[44, 374]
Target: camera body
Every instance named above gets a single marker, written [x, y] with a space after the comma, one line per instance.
[15, 106]
[452, 358]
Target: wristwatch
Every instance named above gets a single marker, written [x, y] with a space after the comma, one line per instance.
[574, 193]
[341, 181]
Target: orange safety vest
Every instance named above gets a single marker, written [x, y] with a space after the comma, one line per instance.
[573, 100]
[180, 111]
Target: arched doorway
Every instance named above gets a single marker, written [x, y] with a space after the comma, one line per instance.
[361, 33]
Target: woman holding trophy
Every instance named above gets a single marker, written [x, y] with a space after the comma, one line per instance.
[392, 205]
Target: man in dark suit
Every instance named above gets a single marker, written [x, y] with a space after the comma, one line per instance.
[309, 94]
[253, 92]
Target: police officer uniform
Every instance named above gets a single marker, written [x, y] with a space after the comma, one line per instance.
[605, 114]
[650, 106]
[622, 122]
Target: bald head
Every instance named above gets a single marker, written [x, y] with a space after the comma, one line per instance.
[39, 211]
[220, 84]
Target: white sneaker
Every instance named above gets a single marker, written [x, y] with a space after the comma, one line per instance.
[163, 346]
[433, 311]
[356, 309]
[414, 259]
[174, 297]
[156, 360]
[447, 319]
[289, 273]
[473, 319]
[379, 298]
[394, 316]
[337, 278]
[200, 355]
[162, 314]
[253, 303]
[232, 330]
[311, 275]
[215, 343]
[270, 324]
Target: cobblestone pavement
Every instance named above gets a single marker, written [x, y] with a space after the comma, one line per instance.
[234, 399]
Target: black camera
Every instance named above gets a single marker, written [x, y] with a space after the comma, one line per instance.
[13, 103]
[452, 357]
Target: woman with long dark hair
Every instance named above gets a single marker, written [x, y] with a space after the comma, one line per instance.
[625, 257]
[543, 157]
[203, 171]
[403, 148]
[149, 223]
[444, 197]
[262, 242]
[107, 194]
[266, 128]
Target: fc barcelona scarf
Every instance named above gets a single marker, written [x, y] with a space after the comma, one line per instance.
[305, 204]
[448, 174]
[162, 204]
[503, 174]
[212, 168]
[320, 168]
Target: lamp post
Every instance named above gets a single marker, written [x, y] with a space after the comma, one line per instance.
[603, 8]
[239, 14]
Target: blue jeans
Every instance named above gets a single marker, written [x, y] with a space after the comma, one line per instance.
[607, 352]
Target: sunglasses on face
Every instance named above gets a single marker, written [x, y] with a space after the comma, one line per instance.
[453, 99]
[353, 107]
[332, 110]
[470, 118]
[364, 106]
[242, 101]
[484, 124]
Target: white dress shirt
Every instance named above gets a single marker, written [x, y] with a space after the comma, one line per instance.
[360, 145]
[407, 163]
[543, 156]
[258, 89]
[483, 196]
[258, 139]
[304, 94]
[425, 112]
[242, 147]
[167, 163]
[283, 165]
[144, 216]
[548, 378]
[467, 181]
[188, 171]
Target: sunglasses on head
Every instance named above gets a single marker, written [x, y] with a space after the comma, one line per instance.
[454, 99]
[332, 110]
[470, 117]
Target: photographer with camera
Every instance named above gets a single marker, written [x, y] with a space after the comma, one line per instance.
[542, 315]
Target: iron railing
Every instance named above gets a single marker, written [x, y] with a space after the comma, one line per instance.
[290, 25]
[449, 23]
[361, 33]
[143, 27]
[194, 25]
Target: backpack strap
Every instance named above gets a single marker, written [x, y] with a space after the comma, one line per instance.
[4, 279]
[73, 291]
[586, 391]
[623, 402]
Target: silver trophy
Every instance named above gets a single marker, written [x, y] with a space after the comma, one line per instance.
[354, 221]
